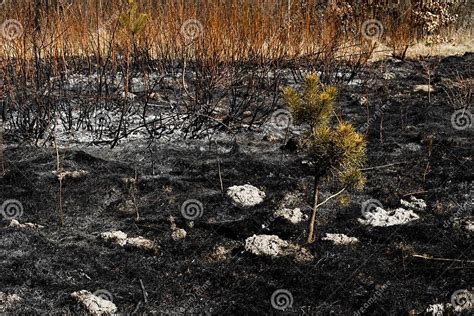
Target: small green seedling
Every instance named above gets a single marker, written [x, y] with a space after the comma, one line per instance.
[337, 150]
[131, 21]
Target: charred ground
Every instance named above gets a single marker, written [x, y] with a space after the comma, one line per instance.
[412, 139]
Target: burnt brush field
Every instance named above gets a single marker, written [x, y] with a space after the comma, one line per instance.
[415, 147]
[236, 157]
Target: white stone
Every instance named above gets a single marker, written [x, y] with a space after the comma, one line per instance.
[7, 301]
[219, 253]
[245, 196]
[293, 216]
[356, 82]
[340, 239]
[380, 217]
[178, 234]
[437, 309]
[268, 245]
[423, 88]
[140, 242]
[71, 174]
[274, 246]
[118, 237]
[363, 100]
[94, 304]
[16, 224]
[415, 204]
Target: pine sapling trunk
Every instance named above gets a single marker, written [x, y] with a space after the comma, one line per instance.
[312, 220]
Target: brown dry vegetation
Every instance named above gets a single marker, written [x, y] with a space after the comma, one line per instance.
[231, 30]
[218, 42]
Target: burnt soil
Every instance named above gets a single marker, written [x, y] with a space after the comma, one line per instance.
[426, 157]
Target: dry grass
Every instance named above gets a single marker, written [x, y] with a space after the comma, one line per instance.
[225, 50]
[224, 30]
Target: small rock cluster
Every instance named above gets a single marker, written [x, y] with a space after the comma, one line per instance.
[16, 224]
[246, 196]
[120, 238]
[274, 246]
[381, 218]
[76, 174]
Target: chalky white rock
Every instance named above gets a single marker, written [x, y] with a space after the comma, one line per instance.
[16, 224]
[245, 196]
[120, 238]
[94, 304]
[294, 216]
[382, 218]
[340, 239]
[414, 203]
[274, 246]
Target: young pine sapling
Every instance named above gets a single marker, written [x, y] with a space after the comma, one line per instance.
[131, 24]
[336, 149]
